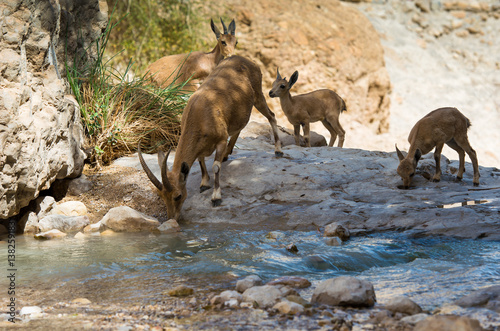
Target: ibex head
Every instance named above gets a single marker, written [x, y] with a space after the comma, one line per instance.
[226, 41]
[172, 188]
[281, 86]
[407, 166]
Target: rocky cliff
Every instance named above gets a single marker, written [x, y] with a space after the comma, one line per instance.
[40, 127]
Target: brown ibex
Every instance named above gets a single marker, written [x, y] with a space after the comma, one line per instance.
[219, 109]
[441, 126]
[301, 110]
[195, 66]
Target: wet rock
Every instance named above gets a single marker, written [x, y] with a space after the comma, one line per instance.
[79, 185]
[403, 305]
[250, 281]
[344, 291]
[94, 227]
[107, 233]
[225, 297]
[337, 230]
[448, 323]
[52, 234]
[289, 307]
[70, 208]
[79, 235]
[263, 296]
[487, 297]
[126, 219]
[333, 241]
[29, 222]
[181, 291]
[63, 223]
[293, 281]
[292, 248]
[275, 235]
[169, 226]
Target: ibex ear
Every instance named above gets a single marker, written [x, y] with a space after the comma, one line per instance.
[400, 155]
[232, 27]
[418, 154]
[293, 79]
[184, 172]
[215, 29]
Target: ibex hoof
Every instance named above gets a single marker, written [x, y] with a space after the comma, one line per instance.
[459, 179]
[278, 154]
[204, 188]
[476, 184]
[216, 202]
[435, 180]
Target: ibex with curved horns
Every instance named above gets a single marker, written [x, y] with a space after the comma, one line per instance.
[219, 109]
[301, 110]
[195, 65]
[441, 126]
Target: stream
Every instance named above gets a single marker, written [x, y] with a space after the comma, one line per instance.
[127, 267]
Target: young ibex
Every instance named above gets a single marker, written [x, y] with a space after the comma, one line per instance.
[441, 126]
[219, 109]
[195, 65]
[301, 110]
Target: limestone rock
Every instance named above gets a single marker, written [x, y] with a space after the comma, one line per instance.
[263, 296]
[70, 208]
[79, 185]
[337, 230]
[225, 297]
[169, 226]
[41, 134]
[250, 281]
[63, 223]
[126, 219]
[181, 291]
[448, 323]
[292, 281]
[51, 234]
[487, 297]
[344, 291]
[403, 305]
[288, 307]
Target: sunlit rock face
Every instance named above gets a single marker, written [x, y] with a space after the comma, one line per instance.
[40, 129]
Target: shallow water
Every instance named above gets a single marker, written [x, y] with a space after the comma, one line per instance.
[128, 267]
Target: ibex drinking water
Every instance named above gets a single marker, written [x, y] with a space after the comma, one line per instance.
[219, 109]
[195, 65]
[441, 126]
[300, 110]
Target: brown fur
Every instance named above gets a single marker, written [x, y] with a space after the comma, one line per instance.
[441, 126]
[218, 110]
[301, 110]
[195, 66]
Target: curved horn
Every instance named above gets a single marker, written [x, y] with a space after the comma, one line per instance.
[278, 76]
[400, 155]
[162, 160]
[223, 25]
[148, 172]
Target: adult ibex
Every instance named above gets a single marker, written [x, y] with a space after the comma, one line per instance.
[219, 109]
[441, 126]
[301, 110]
[195, 66]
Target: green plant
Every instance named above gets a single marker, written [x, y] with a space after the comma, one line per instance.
[116, 112]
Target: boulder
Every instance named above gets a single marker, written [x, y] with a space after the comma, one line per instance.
[403, 305]
[337, 230]
[263, 296]
[126, 219]
[63, 223]
[292, 281]
[344, 291]
[487, 297]
[289, 307]
[51, 234]
[70, 208]
[448, 323]
[41, 134]
[250, 281]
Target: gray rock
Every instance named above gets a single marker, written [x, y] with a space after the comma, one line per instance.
[403, 305]
[250, 281]
[79, 185]
[344, 291]
[63, 223]
[263, 296]
[289, 307]
[227, 296]
[169, 226]
[126, 219]
[414, 319]
[337, 230]
[486, 297]
[448, 323]
[292, 281]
